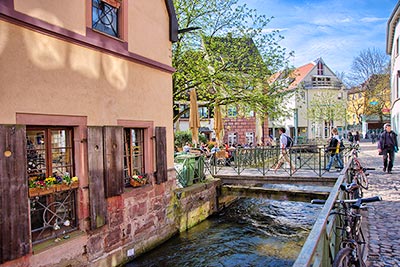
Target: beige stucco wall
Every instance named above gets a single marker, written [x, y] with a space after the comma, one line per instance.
[150, 37]
[147, 22]
[41, 74]
[70, 14]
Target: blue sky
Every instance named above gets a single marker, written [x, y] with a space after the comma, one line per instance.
[336, 30]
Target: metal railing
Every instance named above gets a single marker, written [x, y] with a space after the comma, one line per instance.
[322, 243]
[53, 215]
[265, 159]
[260, 161]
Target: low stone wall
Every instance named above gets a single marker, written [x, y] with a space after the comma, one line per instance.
[195, 203]
[138, 221]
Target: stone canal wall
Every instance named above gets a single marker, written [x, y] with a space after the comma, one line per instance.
[138, 221]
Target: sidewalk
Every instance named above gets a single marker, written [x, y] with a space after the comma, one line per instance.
[383, 219]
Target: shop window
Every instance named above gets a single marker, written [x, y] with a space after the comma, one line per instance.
[105, 16]
[249, 138]
[134, 153]
[52, 184]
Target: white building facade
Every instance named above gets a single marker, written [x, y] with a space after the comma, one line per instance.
[393, 49]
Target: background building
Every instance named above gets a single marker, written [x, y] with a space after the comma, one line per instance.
[393, 49]
[317, 101]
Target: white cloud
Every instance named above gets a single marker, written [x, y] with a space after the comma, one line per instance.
[372, 19]
[335, 30]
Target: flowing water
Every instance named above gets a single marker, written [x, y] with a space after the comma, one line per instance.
[250, 232]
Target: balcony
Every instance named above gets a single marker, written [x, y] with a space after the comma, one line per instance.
[322, 84]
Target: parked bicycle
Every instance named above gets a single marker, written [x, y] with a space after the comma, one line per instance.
[359, 174]
[352, 240]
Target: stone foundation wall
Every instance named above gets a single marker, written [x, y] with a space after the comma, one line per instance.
[138, 221]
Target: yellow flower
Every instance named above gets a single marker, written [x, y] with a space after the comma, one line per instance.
[74, 179]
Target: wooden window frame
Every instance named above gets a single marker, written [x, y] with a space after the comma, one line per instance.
[130, 168]
[49, 147]
[148, 147]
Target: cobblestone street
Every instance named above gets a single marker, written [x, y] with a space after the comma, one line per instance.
[383, 217]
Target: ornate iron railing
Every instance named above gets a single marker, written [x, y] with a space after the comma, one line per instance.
[260, 161]
[264, 160]
[53, 215]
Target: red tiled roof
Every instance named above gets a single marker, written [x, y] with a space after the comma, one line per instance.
[300, 73]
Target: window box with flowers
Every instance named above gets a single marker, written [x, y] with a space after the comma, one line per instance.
[138, 180]
[51, 185]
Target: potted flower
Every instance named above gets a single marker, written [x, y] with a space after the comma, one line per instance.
[138, 180]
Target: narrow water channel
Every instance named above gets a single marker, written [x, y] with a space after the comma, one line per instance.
[251, 232]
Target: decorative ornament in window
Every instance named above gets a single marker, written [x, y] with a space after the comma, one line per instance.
[105, 15]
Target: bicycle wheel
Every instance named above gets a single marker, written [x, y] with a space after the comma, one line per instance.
[345, 258]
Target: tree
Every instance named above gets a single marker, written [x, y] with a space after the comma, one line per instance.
[230, 59]
[377, 96]
[370, 71]
[326, 107]
[369, 62]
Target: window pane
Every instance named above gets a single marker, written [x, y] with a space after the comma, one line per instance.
[61, 153]
[105, 18]
[134, 153]
[36, 154]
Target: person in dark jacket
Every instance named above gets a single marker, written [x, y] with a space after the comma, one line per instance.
[334, 149]
[387, 146]
[357, 138]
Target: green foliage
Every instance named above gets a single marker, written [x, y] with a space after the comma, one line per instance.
[183, 137]
[377, 95]
[229, 60]
[327, 107]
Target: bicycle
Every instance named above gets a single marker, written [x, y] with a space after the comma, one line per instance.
[359, 175]
[352, 244]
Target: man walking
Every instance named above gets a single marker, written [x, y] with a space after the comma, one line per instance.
[387, 146]
[334, 149]
[283, 140]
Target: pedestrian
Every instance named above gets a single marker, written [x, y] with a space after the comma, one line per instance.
[357, 138]
[387, 146]
[350, 137]
[284, 151]
[334, 149]
[373, 137]
[187, 147]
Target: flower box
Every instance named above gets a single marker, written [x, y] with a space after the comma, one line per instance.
[63, 187]
[136, 183]
[34, 192]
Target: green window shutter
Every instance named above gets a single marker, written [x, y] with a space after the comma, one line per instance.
[161, 155]
[97, 203]
[14, 210]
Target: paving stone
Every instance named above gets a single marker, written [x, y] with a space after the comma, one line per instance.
[382, 219]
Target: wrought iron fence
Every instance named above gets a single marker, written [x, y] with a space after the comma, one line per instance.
[53, 215]
[265, 159]
[193, 168]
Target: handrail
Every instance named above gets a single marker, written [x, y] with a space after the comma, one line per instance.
[316, 250]
[264, 160]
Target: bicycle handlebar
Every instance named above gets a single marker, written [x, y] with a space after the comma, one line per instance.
[356, 202]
